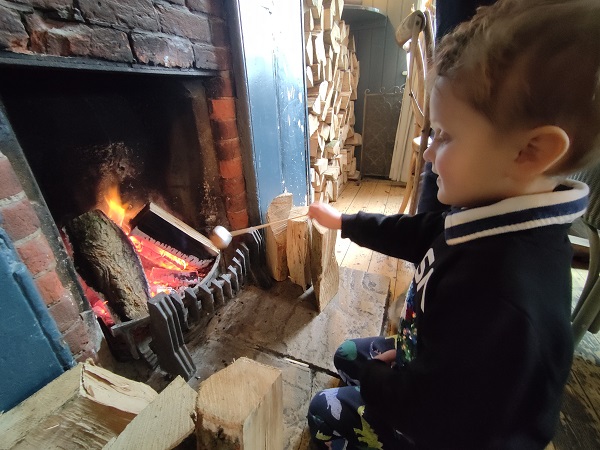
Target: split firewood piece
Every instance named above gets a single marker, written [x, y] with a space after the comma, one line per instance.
[164, 423]
[108, 262]
[241, 407]
[298, 248]
[86, 406]
[275, 236]
[172, 231]
[325, 272]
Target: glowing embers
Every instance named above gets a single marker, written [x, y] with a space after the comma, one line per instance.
[166, 269]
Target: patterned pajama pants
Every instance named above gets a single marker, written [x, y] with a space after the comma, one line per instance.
[337, 417]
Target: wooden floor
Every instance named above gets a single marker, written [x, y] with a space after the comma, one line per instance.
[580, 416]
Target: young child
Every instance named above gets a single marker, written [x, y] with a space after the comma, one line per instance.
[485, 344]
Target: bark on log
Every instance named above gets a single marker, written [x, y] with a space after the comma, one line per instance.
[107, 261]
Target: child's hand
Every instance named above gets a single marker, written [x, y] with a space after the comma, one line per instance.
[326, 215]
[387, 357]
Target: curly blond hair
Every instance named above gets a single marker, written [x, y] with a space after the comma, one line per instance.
[528, 63]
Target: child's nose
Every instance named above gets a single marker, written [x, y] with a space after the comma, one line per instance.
[429, 153]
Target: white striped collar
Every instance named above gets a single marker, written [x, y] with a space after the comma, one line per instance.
[517, 213]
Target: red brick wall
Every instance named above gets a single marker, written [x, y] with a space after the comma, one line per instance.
[22, 225]
[175, 33]
[221, 101]
[185, 34]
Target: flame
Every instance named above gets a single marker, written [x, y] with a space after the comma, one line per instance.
[159, 256]
[116, 209]
[152, 255]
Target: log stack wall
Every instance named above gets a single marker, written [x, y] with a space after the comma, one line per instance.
[332, 73]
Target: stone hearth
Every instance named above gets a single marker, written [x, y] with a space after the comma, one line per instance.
[281, 327]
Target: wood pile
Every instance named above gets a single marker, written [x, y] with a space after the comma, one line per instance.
[301, 249]
[332, 72]
[85, 407]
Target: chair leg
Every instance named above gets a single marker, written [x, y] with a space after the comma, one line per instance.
[587, 313]
[409, 184]
[593, 269]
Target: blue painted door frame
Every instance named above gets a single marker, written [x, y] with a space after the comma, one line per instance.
[267, 36]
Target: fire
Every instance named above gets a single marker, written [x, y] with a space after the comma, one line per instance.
[98, 304]
[164, 270]
[157, 255]
[116, 209]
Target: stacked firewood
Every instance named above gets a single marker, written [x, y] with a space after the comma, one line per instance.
[332, 73]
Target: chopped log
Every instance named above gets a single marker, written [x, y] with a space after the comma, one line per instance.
[319, 182]
[85, 407]
[324, 130]
[320, 90]
[313, 124]
[332, 37]
[315, 5]
[310, 82]
[332, 148]
[325, 272]
[314, 103]
[241, 407]
[308, 20]
[275, 236]
[107, 261]
[356, 139]
[316, 146]
[309, 51]
[319, 48]
[164, 423]
[298, 248]
[174, 232]
[327, 103]
[320, 165]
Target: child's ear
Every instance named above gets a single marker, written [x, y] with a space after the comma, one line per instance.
[543, 147]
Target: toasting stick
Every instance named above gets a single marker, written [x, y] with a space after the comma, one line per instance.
[222, 238]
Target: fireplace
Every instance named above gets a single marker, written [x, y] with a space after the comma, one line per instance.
[139, 96]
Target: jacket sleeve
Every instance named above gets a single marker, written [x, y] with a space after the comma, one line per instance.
[399, 235]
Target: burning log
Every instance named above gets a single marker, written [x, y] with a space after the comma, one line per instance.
[107, 261]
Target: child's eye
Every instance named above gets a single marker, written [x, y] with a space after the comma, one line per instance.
[441, 137]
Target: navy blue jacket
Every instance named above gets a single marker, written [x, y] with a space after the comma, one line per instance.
[494, 342]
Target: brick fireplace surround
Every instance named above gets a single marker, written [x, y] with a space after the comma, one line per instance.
[154, 35]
